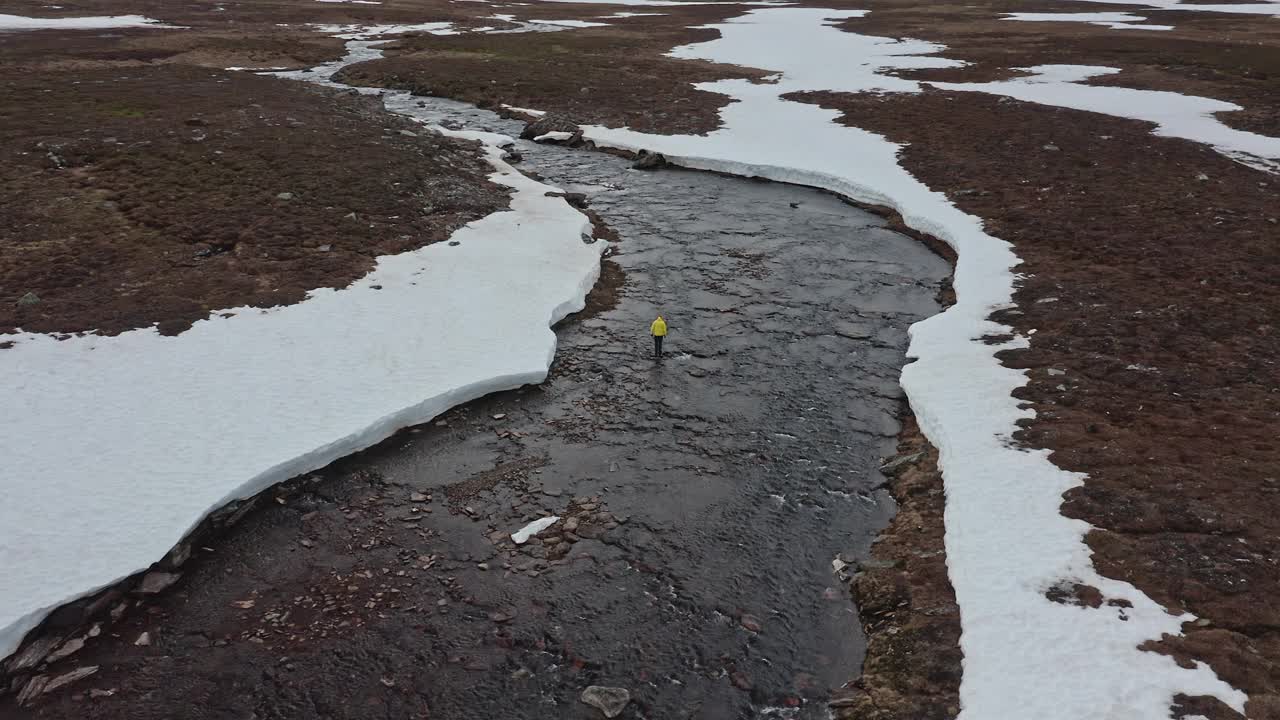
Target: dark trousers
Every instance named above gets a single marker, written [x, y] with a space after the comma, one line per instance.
[657, 346]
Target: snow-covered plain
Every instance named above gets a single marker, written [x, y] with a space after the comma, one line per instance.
[1113, 20]
[1007, 543]
[101, 22]
[172, 428]
[1175, 115]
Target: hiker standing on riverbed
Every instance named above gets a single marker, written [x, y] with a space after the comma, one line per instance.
[658, 330]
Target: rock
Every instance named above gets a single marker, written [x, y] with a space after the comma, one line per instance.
[143, 640]
[34, 653]
[418, 497]
[548, 124]
[156, 582]
[178, 555]
[98, 694]
[499, 416]
[1051, 147]
[32, 689]
[750, 622]
[853, 331]
[68, 648]
[284, 196]
[408, 133]
[646, 160]
[608, 700]
[68, 678]
[900, 463]
[325, 248]
[28, 300]
[306, 543]
[740, 680]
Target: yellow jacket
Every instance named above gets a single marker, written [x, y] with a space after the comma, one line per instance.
[658, 328]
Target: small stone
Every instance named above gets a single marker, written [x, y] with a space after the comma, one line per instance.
[750, 622]
[284, 196]
[98, 694]
[143, 640]
[499, 416]
[325, 248]
[156, 582]
[1051, 147]
[418, 497]
[28, 300]
[740, 680]
[482, 566]
[306, 543]
[608, 700]
[408, 133]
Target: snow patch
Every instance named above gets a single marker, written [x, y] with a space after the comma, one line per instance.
[522, 535]
[1265, 8]
[568, 23]
[101, 22]
[1175, 115]
[526, 111]
[1007, 542]
[1113, 20]
[554, 135]
[366, 32]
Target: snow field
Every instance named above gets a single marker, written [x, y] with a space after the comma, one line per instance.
[1007, 542]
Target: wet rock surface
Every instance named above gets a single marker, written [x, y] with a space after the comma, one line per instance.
[702, 497]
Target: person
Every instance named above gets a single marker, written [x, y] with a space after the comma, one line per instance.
[658, 330]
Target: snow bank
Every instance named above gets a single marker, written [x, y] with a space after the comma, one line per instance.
[1175, 115]
[115, 447]
[102, 22]
[1007, 543]
[1113, 20]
